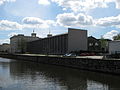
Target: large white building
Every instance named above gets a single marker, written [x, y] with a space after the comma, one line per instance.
[18, 42]
[114, 47]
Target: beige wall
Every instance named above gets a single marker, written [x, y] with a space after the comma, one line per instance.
[17, 43]
[5, 48]
[77, 40]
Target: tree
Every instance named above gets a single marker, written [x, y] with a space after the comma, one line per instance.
[103, 44]
[117, 37]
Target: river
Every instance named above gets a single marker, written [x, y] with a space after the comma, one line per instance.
[20, 75]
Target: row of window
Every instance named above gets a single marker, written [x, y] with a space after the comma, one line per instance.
[93, 44]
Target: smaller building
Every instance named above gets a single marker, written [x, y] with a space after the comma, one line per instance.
[18, 43]
[98, 45]
[5, 48]
[94, 44]
[114, 47]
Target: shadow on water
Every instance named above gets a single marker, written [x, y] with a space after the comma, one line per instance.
[33, 76]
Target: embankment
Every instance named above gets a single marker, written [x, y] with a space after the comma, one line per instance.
[98, 65]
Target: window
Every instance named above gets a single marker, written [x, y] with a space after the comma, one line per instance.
[96, 44]
[90, 44]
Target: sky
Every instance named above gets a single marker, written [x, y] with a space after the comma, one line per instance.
[100, 17]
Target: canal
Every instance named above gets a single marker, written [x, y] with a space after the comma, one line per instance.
[19, 75]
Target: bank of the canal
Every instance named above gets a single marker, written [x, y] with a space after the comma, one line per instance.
[91, 64]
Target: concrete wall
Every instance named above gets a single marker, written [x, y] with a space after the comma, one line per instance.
[114, 47]
[5, 48]
[98, 65]
[50, 45]
[77, 40]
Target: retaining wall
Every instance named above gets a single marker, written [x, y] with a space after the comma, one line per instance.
[99, 65]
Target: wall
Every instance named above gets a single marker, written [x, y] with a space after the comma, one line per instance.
[114, 46]
[18, 43]
[99, 65]
[94, 44]
[5, 48]
[50, 45]
[77, 40]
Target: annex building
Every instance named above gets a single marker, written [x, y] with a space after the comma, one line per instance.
[74, 40]
[18, 43]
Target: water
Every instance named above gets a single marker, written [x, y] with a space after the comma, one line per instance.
[17, 75]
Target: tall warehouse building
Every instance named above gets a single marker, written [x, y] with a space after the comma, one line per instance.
[74, 40]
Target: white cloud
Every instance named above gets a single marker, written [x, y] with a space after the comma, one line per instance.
[66, 19]
[83, 5]
[70, 19]
[34, 22]
[4, 41]
[64, 9]
[109, 35]
[9, 25]
[113, 21]
[12, 34]
[117, 4]
[5, 1]
[44, 2]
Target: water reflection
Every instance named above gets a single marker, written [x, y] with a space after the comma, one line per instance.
[16, 75]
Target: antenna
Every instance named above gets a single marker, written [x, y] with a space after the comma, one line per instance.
[33, 34]
[49, 30]
[33, 30]
[49, 35]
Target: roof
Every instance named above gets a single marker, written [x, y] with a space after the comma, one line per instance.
[115, 41]
[50, 37]
[76, 29]
[56, 35]
[22, 35]
[92, 37]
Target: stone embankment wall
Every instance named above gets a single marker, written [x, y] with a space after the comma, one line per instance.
[99, 65]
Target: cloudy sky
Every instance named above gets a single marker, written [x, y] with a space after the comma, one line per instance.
[99, 17]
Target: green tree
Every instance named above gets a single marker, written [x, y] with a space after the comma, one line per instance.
[103, 44]
[117, 37]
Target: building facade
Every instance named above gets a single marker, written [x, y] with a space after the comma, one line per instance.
[18, 43]
[5, 48]
[98, 45]
[94, 45]
[74, 40]
[114, 47]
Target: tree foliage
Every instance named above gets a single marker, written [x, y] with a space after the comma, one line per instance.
[117, 37]
[103, 42]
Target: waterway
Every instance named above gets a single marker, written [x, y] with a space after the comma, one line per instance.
[19, 75]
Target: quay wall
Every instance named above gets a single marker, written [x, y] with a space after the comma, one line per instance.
[98, 65]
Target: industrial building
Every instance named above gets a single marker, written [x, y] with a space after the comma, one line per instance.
[18, 43]
[74, 40]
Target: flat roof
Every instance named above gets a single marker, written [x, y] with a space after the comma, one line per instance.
[115, 41]
[50, 37]
[77, 29]
[56, 35]
[20, 35]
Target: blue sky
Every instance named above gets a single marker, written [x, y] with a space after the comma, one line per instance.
[99, 17]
